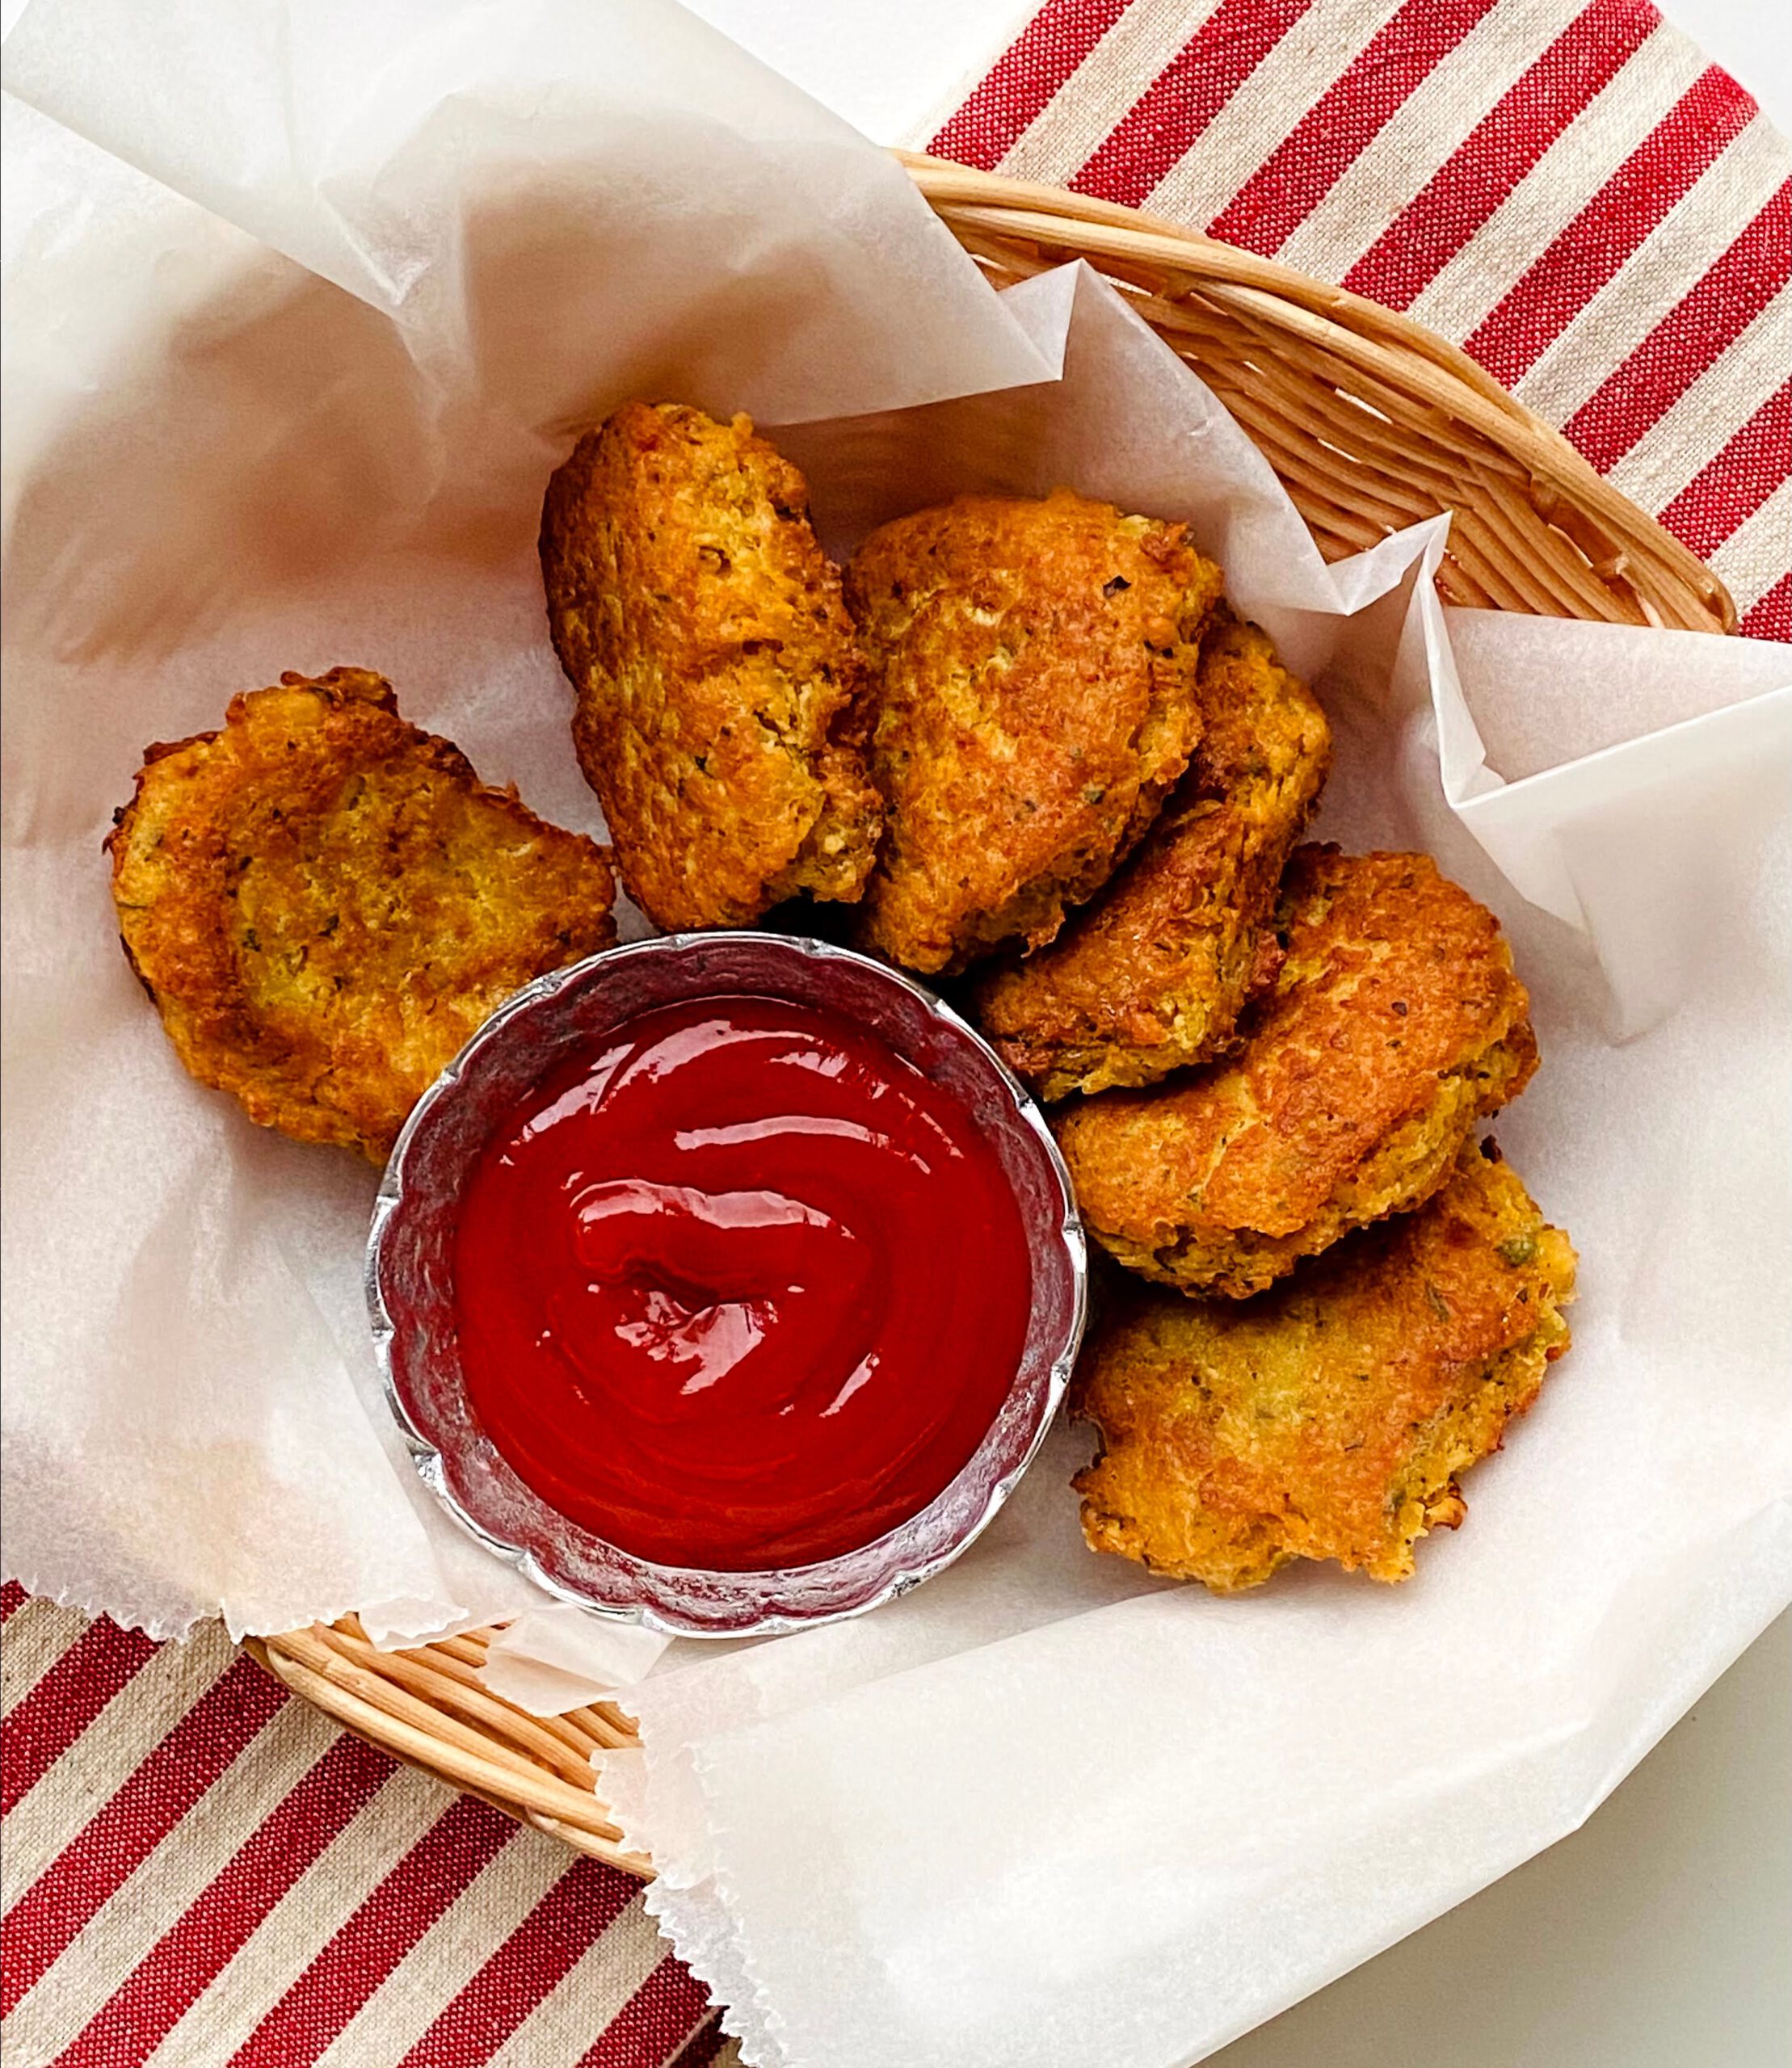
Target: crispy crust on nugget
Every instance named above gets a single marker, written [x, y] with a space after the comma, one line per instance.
[1396, 1022]
[1329, 1419]
[1036, 703]
[324, 902]
[1152, 976]
[721, 701]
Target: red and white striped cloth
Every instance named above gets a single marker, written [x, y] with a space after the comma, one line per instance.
[1571, 192]
[200, 1871]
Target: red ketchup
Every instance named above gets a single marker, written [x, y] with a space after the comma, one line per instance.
[742, 1288]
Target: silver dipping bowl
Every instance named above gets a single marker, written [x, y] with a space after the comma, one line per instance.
[410, 1278]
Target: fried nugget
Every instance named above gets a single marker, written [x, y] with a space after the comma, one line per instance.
[1036, 703]
[722, 703]
[325, 903]
[1152, 976]
[1396, 1022]
[1329, 1419]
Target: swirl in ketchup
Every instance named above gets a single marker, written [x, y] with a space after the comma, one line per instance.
[741, 1289]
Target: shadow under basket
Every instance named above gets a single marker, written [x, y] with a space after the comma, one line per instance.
[1372, 423]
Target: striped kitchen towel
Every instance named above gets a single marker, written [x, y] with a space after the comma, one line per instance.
[200, 1870]
[1570, 192]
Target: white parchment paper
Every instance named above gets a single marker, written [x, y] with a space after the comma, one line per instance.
[303, 306]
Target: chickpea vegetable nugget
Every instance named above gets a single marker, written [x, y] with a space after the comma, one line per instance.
[1152, 976]
[720, 691]
[1329, 1419]
[324, 902]
[1036, 702]
[1396, 1022]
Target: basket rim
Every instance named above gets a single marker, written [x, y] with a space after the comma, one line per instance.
[994, 205]
[425, 1706]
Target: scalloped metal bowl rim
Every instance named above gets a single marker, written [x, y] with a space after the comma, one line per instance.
[652, 1611]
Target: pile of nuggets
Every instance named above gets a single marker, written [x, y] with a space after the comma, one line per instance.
[1029, 745]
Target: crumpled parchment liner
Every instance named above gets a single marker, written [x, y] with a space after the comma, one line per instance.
[309, 422]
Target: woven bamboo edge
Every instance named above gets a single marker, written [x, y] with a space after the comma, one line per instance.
[1372, 422]
[428, 1707]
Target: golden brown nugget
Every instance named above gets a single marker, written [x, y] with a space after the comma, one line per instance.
[1329, 1419]
[325, 903]
[721, 701]
[1152, 976]
[1035, 665]
[1396, 1024]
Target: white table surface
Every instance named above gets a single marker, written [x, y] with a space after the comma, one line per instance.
[1659, 1936]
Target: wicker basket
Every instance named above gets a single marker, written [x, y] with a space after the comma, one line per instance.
[427, 1706]
[1372, 423]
